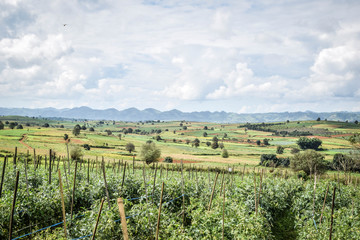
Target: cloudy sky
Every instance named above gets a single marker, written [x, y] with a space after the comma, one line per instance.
[237, 56]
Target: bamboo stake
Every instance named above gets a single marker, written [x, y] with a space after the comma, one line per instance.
[97, 220]
[332, 213]
[62, 204]
[223, 214]
[15, 157]
[123, 218]
[158, 220]
[3, 175]
[213, 190]
[88, 172]
[255, 194]
[50, 166]
[73, 191]
[13, 205]
[105, 182]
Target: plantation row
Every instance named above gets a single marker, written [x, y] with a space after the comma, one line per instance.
[195, 204]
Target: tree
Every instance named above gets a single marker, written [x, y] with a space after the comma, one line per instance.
[46, 125]
[205, 128]
[109, 132]
[158, 138]
[310, 162]
[280, 150]
[19, 126]
[344, 163]
[221, 145]
[150, 153]
[266, 142]
[86, 146]
[91, 129]
[258, 142]
[205, 134]
[12, 125]
[225, 135]
[225, 153]
[83, 127]
[130, 147]
[185, 127]
[294, 150]
[196, 142]
[66, 137]
[356, 121]
[168, 159]
[75, 152]
[318, 119]
[76, 130]
[215, 143]
[187, 141]
[309, 143]
[355, 140]
[208, 144]
[1, 125]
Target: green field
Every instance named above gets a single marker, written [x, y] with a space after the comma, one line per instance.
[177, 137]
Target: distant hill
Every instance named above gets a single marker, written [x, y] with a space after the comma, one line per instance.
[134, 114]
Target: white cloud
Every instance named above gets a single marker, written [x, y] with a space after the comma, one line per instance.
[190, 55]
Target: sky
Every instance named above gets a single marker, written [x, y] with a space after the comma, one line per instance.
[242, 56]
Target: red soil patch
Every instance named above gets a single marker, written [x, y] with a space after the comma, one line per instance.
[22, 142]
[77, 141]
[319, 137]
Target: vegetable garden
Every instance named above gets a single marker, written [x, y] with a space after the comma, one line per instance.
[195, 203]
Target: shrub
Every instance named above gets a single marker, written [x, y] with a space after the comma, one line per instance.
[280, 150]
[270, 160]
[294, 150]
[130, 147]
[150, 153]
[309, 143]
[168, 159]
[310, 162]
[86, 146]
[225, 153]
[75, 152]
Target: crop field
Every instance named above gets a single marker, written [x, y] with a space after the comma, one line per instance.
[201, 195]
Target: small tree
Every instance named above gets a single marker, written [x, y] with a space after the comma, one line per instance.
[266, 142]
[1, 125]
[76, 130]
[19, 126]
[309, 143]
[86, 146]
[221, 145]
[75, 152]
[150, 153]
[130, 147]
[208, 143]
[168, 159]
[66, 137]
[294, 150]
[46, 125]
[109, 132]
[309, 161]
[280, 150]
[196, 142]
[187, 141]
[12, 125]
[225, 153]
[258, 142]
[91, 129]
[205, 134]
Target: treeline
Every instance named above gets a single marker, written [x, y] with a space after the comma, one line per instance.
[265, 127]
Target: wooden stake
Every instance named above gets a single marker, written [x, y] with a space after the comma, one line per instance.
[158, 220]
[223, 214]
[88, 172]
[97, 220]
[73, 191]
[62, 204]
[15, 157]
[3, 175]
[255, 194]
[50, 154]
[13, 205]
[105, 182]
[123, 218]
[213, 190]
[332, 213]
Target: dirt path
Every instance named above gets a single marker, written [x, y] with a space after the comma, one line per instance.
[22, 142]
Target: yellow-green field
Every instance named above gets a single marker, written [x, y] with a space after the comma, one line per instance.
[240, 142]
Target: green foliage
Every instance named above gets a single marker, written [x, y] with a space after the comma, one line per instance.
[280, 149]
[150, 153]
[86, 146]
[19, 126]
[258, 142]
[66, 137]
[75, 152]
[345, 163]
[309, 143]
[168, 159]
[1, 125]
[266, 142]
[270, 160]
[130, 147]
[225, 153]
[294, 150]
[196, 142]
[310, 162]
[76, 130]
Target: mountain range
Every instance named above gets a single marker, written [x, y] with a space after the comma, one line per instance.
[134, 114]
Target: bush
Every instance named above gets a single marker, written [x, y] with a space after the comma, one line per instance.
[168, 159]
[225, 153]
[150, 153]
[280, 150]
[309, 143]
[130, 147]
[86, 146]
[76, 152]
[310, 162]
[294, 150]
[270, 160]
